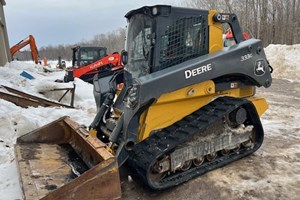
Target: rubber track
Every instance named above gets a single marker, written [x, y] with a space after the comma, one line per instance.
[145, 153]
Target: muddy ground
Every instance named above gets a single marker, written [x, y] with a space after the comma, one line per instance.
[272, 172]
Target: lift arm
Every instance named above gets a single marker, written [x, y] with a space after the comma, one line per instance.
[113, 59]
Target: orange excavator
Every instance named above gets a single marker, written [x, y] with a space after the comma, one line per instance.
[29, 40]
[88, 61]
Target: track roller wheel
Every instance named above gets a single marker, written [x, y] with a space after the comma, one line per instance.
[186, 165]
[211, 157]
[225, 152]
[198, 161]
[237, 148]
[156, 173]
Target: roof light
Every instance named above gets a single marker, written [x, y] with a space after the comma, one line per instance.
[154, 11]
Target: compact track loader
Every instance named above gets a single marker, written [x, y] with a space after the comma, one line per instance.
[183, 105]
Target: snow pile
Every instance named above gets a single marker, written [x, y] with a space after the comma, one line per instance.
[285, 60]
[44, 84]
[16, 121]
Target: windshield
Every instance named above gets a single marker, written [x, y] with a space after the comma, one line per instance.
[139, 45]
[88, 56]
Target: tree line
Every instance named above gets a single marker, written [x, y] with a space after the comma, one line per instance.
[114, 42]
[272, 21]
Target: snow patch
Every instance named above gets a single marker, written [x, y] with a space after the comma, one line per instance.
[285, 60]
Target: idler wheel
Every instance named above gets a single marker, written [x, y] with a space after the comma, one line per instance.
[155, 175]
[247, 144]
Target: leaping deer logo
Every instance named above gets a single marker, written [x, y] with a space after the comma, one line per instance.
[260, 69]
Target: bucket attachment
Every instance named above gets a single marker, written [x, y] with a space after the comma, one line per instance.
[62, 161]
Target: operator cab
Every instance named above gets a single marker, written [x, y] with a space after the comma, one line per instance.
[83, 56]
[162, 36]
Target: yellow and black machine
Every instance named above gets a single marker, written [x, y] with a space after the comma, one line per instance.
[187, 105]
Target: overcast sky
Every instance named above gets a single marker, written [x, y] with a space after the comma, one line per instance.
[67, 21]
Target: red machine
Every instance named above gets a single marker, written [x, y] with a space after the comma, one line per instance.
[104, 65]
[229, 40]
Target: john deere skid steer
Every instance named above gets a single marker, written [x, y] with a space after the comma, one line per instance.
[183, 105]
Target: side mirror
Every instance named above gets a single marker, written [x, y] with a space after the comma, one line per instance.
[124, 57]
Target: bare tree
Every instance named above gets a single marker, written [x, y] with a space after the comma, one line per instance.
[228, 4]
[273, 21]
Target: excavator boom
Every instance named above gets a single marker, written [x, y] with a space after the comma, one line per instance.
[29, 40]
